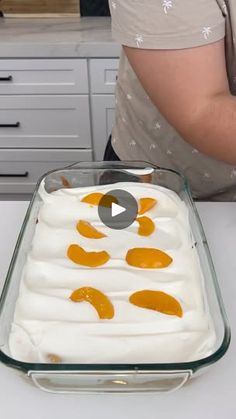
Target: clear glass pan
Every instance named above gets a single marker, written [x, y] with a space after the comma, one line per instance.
[68, 378]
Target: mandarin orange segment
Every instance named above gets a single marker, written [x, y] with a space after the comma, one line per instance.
[91, 259]
[145, 204]
[146, 226]
[65, 182]
[147, 178]
[108, 200]
[158, 301]
[87, 230]
[97, 299]
[95, 198]
[148, 258]
[54, 359]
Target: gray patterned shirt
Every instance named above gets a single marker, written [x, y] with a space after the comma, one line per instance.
[141, 132]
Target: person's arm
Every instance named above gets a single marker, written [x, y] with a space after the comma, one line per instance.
[190, 88]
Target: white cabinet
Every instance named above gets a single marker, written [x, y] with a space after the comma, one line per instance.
[103, 115]
[45, 121]
[21, 169]
[39, 76]
[47, 110]
[103, 73]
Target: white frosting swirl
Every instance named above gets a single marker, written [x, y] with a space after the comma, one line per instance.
[47, 322]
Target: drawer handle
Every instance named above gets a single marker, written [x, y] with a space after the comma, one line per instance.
[25, 174]
[7, 78]
[16, 125]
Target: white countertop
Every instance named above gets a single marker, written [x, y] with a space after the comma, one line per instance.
[57, 37]
[211, 396]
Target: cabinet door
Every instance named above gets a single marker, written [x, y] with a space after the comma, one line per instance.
[103, 75]
[21, 169]
[103, 116]
[43, 76]
[56, 121]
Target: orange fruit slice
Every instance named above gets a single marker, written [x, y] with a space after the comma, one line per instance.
[146, 226]
[147, 178]
[91, 259]
[87, 230]
[95, 198]
[97, 299]
[158, 301]
[148, 258]
[145, 204]
[54, 359]
[65, 182]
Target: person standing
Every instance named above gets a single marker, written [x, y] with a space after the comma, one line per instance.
[175, 95]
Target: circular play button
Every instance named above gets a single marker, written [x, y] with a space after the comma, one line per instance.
[118, 209]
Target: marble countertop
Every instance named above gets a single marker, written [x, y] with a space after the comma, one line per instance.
[57, 37]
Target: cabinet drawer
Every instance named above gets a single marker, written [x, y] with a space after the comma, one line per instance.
[103, 74]
[21, 169]
[37, 76]
[45, 121]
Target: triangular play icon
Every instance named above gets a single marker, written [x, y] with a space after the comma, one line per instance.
[116, 209]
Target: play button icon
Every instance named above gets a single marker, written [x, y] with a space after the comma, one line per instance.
[118, 209]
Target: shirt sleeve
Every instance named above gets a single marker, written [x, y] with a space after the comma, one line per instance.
[166, 24]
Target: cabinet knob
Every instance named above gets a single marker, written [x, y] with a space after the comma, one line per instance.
[15, 125]
[7, 78]
[24, 174]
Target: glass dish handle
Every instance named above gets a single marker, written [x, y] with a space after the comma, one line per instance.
[113, 382]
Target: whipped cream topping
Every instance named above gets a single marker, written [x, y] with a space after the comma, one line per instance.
[47, 323]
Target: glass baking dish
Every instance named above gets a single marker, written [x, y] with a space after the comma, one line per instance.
[113, 378]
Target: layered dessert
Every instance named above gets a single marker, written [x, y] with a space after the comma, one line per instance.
[92, 294]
